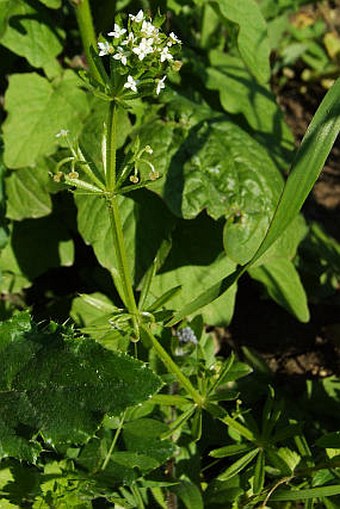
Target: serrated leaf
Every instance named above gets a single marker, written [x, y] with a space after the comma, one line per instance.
[32, 34]
[27, 193]
[37, 111]
[252, 38]
[61, 386]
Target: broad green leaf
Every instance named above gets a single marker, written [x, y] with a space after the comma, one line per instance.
[194, 262]
[309, 161]
[213, 164]
[305, 494]
[238, 466]
[284, 286]
[145, 221]
[28, 193]
[3, 225]
[36, 245]
[12, 280]
[39, 244]
[252, 38]
[61, 386]
[37, 111]
[6, 7]
[241, 93]
[33, 35]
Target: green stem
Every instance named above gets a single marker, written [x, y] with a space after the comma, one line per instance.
[121, 256]
[173, 368]
[113, 444]
[116, 225]
[111, 147]
[87, 32]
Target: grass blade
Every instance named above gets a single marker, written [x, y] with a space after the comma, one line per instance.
[307, 165]
[320, 491]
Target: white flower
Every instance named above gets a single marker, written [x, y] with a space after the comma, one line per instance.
[166, 55]
[130, 39]
[144, 48]
[160, 85]
[117, 31]
[62, 133]
[131, 83]
[173, 39]
[138, 18]
[104, 48]
[148, 29]
[121, 55]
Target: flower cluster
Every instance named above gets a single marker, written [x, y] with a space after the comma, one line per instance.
[142, 54]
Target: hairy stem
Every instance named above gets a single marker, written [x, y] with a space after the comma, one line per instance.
[87, 32]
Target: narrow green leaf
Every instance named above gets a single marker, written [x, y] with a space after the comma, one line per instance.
[259, 473]
[238, 466]
[239, 428]
[305, 494]
[231, 450]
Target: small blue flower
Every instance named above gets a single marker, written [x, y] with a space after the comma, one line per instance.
[187, 335]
